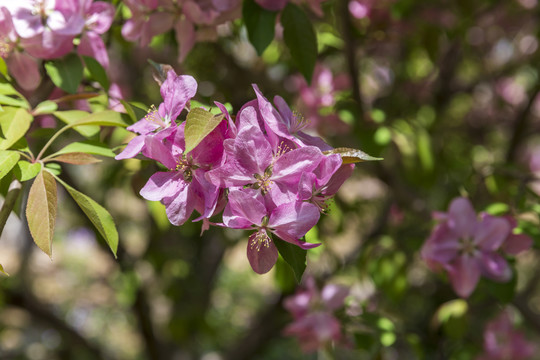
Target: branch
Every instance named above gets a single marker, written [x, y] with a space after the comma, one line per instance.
[521, 125]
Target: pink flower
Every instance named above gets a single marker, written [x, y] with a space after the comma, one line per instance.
[466, 247]
[359, 8]
[176, 92]
[98, 17]
[503, 342]
[290, 221]
[184, 188]
[314, 323]
[321, 94]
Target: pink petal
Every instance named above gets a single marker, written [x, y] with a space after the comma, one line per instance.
[24, 69]
[92, 45]
[180, 206]
[334, 296]
[162, 185]
[293, 220]
[464, 274]
[491, 232]
[495, 267]
[185, 36]
[517, 243]
[133, 148]
[244, 204]
[261, 252]
[99, 16]
[291, 164]
[462, 217]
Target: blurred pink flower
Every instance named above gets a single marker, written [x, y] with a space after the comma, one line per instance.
[503, 342]
[468, 247]
[321, 94]
[314, 324]
[359, 8]
[278, 5]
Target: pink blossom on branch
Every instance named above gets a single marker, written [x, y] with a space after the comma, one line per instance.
[467, 247]
[314, 324]
[503, 342]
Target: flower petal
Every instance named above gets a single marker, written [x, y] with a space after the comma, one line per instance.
[495, 267]
[261, 252]
[462, 217]
[464, 274]
[491, 232]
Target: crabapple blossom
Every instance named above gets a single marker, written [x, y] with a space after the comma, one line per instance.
[467, 247]
[314, 324]
[503, 342]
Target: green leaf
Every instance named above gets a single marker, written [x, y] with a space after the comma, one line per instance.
[103, 118]
[260, 25]
[74, 116]
[66, 73]
[45, 107]
[350, 156]
[97, 214]
[25, 170]
[54, 168]
[3, 68]
[2, 270]
[7, 100]
[294, 256]
[76, 158]
[8, 159]
[199, 123]
[14, 123]
[97, 72]
[88, 147]
[41, 211]
[300, 38]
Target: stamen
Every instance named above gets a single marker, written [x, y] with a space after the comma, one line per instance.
[300, 123]
[260, 239]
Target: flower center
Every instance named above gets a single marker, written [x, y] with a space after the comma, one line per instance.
[298, 123]
[263, 181]
[153, 116]
[183, 165]
[468, 247]
[261, 239]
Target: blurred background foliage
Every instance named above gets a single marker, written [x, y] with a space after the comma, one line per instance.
[446, 92]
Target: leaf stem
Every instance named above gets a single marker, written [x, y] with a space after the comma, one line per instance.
[9, 202]
[52, 139]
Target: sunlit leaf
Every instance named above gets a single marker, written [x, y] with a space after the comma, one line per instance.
[77, 158]
[45, 107]
[103, 118]
[66, 73]
[25, 170]
[88, 147]
[300, 38]
[294, 256]
[73, 116]
[350, 156]
[97, 214]
[199, 123]
[8, 159]
[260, 24]
[14, 124]
[41, 211]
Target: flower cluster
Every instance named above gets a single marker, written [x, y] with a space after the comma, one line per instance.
[468, 247]
[46, 29]
[314, 323]
[260, 169]
[503, 342]
[191, 20]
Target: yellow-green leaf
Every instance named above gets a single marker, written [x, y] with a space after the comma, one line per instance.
[199, 123]
[41, 211]
[350, 156]
[25, 170]
[88, 147]
[2, 270]
[8, 159]
[45, 107]
[73, 116]
[14, 123]
[97, 214]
